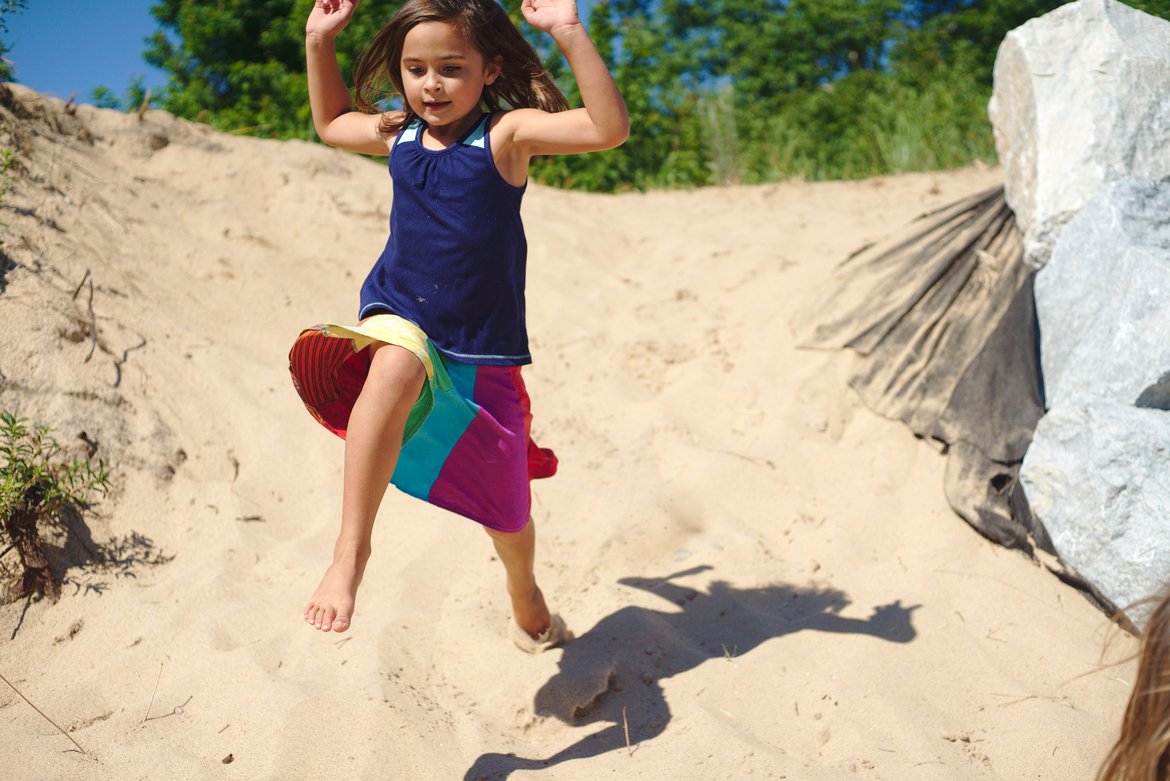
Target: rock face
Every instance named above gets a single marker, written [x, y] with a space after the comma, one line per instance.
[1079, 100]
[1097, 473]
[1103, 300]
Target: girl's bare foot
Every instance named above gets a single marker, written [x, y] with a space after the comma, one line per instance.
[529, 610]
[331, 606]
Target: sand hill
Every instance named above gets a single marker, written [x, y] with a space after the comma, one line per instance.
[764, 577]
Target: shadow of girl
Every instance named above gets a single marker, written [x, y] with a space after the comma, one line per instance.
[631, 650]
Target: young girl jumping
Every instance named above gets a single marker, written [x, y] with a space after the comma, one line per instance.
[426, 389]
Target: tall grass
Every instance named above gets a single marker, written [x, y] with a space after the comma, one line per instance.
[862, 126]
[720, 136]
[865, 124]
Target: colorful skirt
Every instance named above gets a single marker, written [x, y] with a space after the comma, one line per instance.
[467, 446]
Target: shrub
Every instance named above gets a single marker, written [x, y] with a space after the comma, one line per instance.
[37, 486]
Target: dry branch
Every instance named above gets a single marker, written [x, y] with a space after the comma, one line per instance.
[43, 716]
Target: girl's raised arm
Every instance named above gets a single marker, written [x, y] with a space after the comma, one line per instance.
[336, 122]
[603, 123]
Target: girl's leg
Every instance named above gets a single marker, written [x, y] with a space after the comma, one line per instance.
[372, 443]
[518, 552]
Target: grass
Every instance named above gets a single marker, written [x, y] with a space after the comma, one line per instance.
[864, 125]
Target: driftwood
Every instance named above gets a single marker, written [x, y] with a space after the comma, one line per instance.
[945, 322]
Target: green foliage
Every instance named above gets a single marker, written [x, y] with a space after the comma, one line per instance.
[868, 123]
[652, 71]
[718, 90]
[7, 161]
[37, 487]
[104, 97]
[136, 94]
[32, 474]
[1160, 8]
[723, 91]
[239, 65]
[8, 7]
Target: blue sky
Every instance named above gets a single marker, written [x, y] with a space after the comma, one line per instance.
[65, 46]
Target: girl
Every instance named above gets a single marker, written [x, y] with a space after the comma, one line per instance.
[426, 389]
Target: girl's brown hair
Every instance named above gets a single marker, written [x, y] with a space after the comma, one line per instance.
[1142, 753]
[523, 82]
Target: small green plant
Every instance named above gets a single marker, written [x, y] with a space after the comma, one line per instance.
[7, 158]
[37, 487]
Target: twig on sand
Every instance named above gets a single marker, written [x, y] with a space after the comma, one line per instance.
[92, 322]
[43, 716]
[80, 285]
[626, 727]
[156, 680]
[175, 711]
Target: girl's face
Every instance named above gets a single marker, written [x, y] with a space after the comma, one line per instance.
[443, 74]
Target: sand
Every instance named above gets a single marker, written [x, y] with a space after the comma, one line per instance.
[764, 577]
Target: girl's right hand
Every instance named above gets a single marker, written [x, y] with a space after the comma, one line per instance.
[329, 17]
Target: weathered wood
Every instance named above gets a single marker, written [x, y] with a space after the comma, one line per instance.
[943, 318]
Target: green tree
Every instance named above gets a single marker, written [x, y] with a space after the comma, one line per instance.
[773, 47]
[104, 97]
[8, 7]
[850, 88]
[653, 73]
[239, 64]
[718, 90]
[136, 94]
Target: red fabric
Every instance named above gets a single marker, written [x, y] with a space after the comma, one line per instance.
[328, 376]
[542, 462]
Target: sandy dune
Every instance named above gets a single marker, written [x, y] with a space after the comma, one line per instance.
[764, 577]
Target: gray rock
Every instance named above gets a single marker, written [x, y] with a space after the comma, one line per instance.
[1079, 100]
[1097, 475]
[1103, 300]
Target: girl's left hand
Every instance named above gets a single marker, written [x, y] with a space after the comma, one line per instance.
[550, 15]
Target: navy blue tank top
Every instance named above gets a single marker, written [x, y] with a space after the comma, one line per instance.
[454, 262]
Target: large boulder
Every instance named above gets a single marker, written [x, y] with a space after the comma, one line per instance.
[1103, 300]
[1097, 474]
[1079, 100]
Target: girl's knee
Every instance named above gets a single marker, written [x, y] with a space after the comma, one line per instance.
[397, 366]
